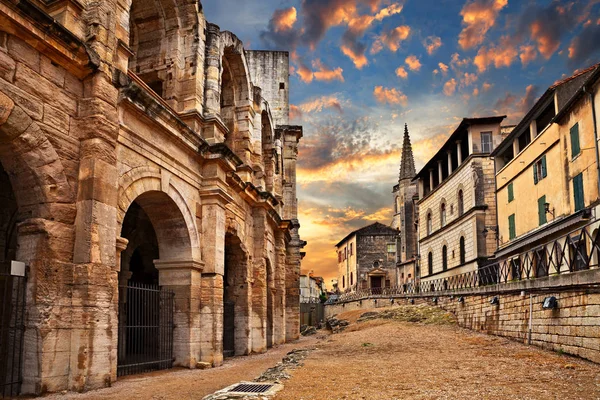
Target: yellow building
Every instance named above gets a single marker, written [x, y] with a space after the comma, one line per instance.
[547, 181]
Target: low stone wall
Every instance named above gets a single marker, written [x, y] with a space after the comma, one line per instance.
[572, 328]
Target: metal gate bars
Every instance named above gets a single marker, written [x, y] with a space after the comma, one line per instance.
[145, 328]
[12, 329]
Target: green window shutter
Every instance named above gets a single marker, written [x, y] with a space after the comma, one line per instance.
[535, 176]
[544, 170]
[542, 210]
[511, 192]
[512, 232]
[575, 147]
[578, 192]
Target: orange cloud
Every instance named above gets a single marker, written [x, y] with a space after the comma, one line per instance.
[305, 73]
[468, 79]
[479, 16]
[401, 72]
[390, 96]
[502, 55]
[392, 39]
[475, 92]
[432, 43]
[295, 112]
[359, 60]
[321, 103]
[323, 73]
[456, 62]
[284, 20]
[450, 87]
[486, 86]
[443, 68]
[413, 63]
[528, 54]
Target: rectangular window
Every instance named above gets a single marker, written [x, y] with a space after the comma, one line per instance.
[540, 170]
[578, 192]
[575, 147]
[542, 210]
[391, 248]
[512, 231]
[511, 192]
[351, 249]
[486, 142]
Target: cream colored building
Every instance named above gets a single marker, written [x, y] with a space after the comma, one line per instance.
[457, 201]
[547, 168]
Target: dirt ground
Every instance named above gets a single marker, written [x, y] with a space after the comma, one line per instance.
[386, 359]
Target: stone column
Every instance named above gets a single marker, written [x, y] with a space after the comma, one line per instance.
[279, 297]
[449, 162]
[184, 279]
[292, 284]
[258, 317]
[440, 172]
[121, 245]
[430, 179]
[212, 89]
[459, 152]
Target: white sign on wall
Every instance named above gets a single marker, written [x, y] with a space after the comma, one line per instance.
[17, 268]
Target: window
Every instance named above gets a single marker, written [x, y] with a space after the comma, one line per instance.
[343, 281]
[545, 117]
[429, 226]
[542, 210]
[524, 139]
[391, 251]
[443, 214]
[351, 278]
[511, 192]
[444, 258]
[539, 170]
[575, 147]
[281, 85]
[345, 253]
[578, 192]
[461, 204]
[486, 142]
[430, 263]
[351, 249]
[463, 252]
[512, 231]
[339, 256]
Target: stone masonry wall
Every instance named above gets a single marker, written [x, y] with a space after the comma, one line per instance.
[572, 328]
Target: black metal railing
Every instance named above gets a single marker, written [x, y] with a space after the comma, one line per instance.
[145, 328]
[12, 330]
[575, 251]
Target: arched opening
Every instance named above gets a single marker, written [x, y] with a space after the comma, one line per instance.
[461, 204]
[8, 222]
[227, 103]
[463, 252]
[429, 224]
[235, 298]
[270, 302]
[270, 153]
[443, 215]
[444, 258]
[430, 263]
[155, 230]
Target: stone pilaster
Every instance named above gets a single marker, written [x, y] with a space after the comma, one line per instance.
[258, 317]
[279, 283]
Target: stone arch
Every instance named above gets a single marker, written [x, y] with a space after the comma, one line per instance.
[232, 51]
[142, 180]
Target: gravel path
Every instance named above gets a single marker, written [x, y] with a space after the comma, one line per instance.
[397, 360]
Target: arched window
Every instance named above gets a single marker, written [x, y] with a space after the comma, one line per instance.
[429, 225]
[461, 204]
[444, 258]
[463, 252]
[430, 263]
[443, 214]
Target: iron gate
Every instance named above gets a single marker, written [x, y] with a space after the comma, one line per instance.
[145, 328]
[12, 329]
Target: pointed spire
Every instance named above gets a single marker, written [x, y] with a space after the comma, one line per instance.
[407, 166]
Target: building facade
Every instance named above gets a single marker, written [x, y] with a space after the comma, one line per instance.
[548, 177]
[140, 145]
[457, 204]
[367, 259]
[311, 288]
[405, 215]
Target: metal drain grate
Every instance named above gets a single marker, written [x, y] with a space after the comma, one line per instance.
[251, 388]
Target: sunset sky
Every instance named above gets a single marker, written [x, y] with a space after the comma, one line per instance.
[362, 68]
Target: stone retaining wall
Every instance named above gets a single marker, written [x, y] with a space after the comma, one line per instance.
[572, 328]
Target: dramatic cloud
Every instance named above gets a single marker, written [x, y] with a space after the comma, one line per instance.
[321, 103]
[516, 107]
[323, 73]
[586, 44]
[304, 72]
[283, 20]
[443, 68]
[502, 55]
[432, 43]
[528, 54]
[391, 96]
[401, 72]
[468, 79]
[413, 63]
[295, 112]
[450, 87]
[392, 39]
[478, 17]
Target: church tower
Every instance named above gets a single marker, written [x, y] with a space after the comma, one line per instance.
[405, 213]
